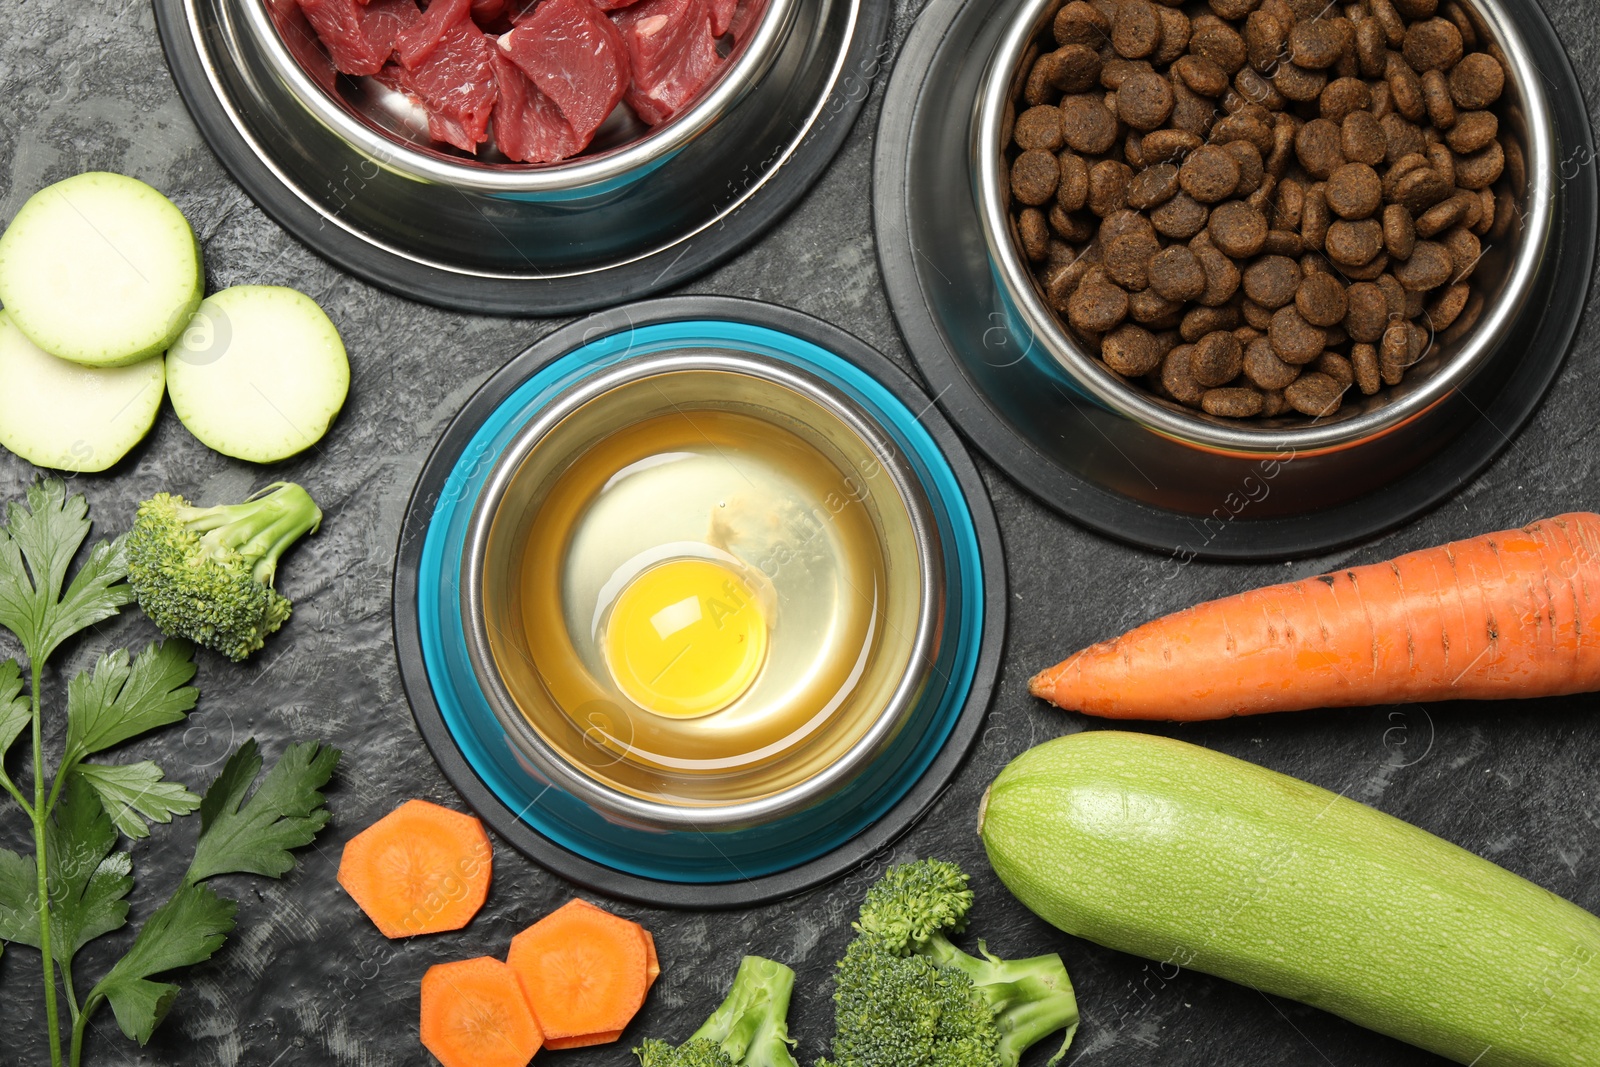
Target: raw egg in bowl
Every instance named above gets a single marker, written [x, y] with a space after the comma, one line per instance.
[699, 602]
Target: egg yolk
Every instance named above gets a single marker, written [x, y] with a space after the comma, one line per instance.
[686, 638]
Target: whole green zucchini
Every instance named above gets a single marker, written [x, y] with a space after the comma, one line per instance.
[1179, 854]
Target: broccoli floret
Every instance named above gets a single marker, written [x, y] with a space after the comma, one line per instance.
[693, 1053]
[206, 574]
[906, 994]
[750, 1029]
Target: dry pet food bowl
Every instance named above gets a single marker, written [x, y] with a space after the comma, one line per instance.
[693, 608]
[638, 212]
[1031, 396]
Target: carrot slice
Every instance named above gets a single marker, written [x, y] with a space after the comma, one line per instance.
[421, 869]
[652, 962]
[474, 1015]
[585, 972]
[585, 1041]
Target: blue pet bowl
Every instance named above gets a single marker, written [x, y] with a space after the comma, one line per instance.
[695, 867]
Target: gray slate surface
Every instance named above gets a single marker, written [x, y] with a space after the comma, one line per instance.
[308, 981]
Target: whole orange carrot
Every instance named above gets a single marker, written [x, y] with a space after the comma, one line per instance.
[1513, 614]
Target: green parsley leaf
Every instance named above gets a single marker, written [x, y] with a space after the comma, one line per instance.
[133, 790]
[240, 837]
[37, 545]
[119, 700]
[89, 883]
[185, 930]
[18, 921]
[15, 713]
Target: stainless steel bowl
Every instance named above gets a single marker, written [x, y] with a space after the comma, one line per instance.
[1393, 423]
[348, 173]
[591, 757]
[376, 122]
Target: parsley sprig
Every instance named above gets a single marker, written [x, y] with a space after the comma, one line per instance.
[75, 886]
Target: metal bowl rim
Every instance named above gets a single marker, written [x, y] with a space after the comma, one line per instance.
[752, 63]
[785, 802]
[1485, 339]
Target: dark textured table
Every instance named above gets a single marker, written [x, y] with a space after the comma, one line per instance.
[307, 980]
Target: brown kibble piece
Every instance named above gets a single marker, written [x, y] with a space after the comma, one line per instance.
[1038, 127]
[1481, 169]
[1073, 192]
[1265, 39]
[1399, 232]
[1108, 187]
[1154, 310]
[1299, 84]
[1405, 90]
[1177, 376]
[1222, 277]
[1465, 250]
[1153, 187]
[1181, 217]
[1394, 354]
[1237, 403]
[1176, 274]
[1364, 365]
[1394, 27]
[1354, 242]
[1034, 176]
[1336, 367]
[1097, 306]
[1272, 281]
[1070, 225]
[1075, 68]
[1464, 324]
[1284, 243]
[1401, 138]
[1436, 95]
[1144, 101]
[1432, 44]
[1252, 169]
[1203, 320]
[1263, 367]
[1318, 147]
[1368, 312]
[1321, 300]
[1201, 75]
[1343, 98]
[1273, 404]
[1441, 216]
[1034, 231]
[1447, 307]
[1293, 338]
[1315, 394]
[1429, 267]
[1062, 281]
[1217, 359]
[1315, 217]
[1371, 48]
[1087, 125]
[1317, 44]
[1291, 202]
[1081, 23]
[1131, 351]
[1167, 146]
[1210, 174]
[1256, 317]
[1127, 260]
[1361, 139]
[1238, 229]
[1192, 112]
[1477, 81]
[1218, 42]
[1421, 189]
[1136, 31]
[1473, 132]
[1354, 191]
[1174, 33]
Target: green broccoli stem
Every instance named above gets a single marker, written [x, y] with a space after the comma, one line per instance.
[751, 1025]
[260, 529]
[1031, 999]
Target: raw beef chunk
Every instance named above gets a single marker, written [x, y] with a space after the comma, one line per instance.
[672, 52]
[576, 57]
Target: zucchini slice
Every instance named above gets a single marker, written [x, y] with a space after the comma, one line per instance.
[259, 374]
[54, 413]
[100, 269]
